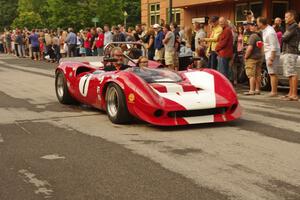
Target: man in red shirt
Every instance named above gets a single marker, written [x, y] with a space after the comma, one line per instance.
[99, 42]
[224, 47]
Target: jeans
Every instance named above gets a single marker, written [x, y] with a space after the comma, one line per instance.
[72, 52]
[57, 52]
[212, 60]
[100, 51]
[88, 52]
[21, 50]
[223, 66]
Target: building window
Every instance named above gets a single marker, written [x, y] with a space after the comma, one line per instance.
[154, 13]
[255, 7]
[176, 15]
[239, 10]
[279, 8]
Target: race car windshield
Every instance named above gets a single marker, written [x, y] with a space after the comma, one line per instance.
[157, 75]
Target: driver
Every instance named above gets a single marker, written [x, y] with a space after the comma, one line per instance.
[117, 54]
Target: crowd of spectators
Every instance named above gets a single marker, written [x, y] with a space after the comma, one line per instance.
[218, 45]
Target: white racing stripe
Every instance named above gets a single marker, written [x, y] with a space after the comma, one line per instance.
[172, 87]
[84, 84]
[202, 99]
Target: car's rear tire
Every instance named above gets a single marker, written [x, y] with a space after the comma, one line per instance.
[116, 106]
[61, 89]
[265, 79]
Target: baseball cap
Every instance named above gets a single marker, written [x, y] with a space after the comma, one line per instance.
[214, 19]
[156, 26]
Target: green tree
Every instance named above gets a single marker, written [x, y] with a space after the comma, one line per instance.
[29, 20]
[8, 12]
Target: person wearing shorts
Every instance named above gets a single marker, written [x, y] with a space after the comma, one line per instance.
[272, 52]
[253, 60]
[35, 45]
[290, 51]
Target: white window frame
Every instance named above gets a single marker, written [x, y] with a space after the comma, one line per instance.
[155, 13]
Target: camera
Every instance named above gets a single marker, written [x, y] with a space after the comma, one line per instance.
[247, 12]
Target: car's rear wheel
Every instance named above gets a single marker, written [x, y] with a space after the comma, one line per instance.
[265, 79]
[116, 106]
[61, 89]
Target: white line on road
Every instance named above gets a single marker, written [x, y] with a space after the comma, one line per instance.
[41, 185]
[1, 138]
[21, 127]
[53, 157]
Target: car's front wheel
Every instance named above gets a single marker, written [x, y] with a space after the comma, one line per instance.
[61, 89]
[116, 106]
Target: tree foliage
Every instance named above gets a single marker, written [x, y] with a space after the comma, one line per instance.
[29, 20]
[69, 13]
[8, 12]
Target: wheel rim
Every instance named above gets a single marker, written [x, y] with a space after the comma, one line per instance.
[264, 78]
[60, 85]
[112, 102]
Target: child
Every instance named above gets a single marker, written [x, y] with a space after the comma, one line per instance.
[41, 48]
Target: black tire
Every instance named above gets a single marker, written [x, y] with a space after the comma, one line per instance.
[265, 79]
[61, 89]
[116, 106]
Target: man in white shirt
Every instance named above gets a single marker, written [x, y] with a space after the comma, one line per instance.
[108, 37]
[272, 52]
[199, 33]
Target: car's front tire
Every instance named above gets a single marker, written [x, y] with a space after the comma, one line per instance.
[61, 89]
[116, 106]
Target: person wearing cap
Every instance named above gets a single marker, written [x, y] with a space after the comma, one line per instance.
[212, 42]
[158, 43]
[253, 60]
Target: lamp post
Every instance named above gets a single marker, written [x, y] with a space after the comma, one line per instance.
[125, 18]
[170, 11]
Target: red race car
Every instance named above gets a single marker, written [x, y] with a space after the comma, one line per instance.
[157, 96]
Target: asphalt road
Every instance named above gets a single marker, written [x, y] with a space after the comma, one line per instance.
[52, 151]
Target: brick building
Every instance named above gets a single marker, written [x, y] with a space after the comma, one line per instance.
[185, 10]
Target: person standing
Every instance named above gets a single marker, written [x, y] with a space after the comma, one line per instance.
[150, 43]
[278, 23]
[107, 35]
[35, 44]
[224, 47]
[20, 40]
[158, 43]
[212, 42]
[290, 51]
[169, 42]
[272, 53]
[71, 40]
[100, 41]
[199, 33]
[253, 60]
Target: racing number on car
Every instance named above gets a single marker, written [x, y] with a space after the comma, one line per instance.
[84, 84]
